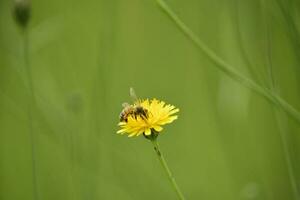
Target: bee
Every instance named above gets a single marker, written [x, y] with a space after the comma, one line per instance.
[133, 110]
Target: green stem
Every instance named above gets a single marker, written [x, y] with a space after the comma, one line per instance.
[31, 106]
[227, 68]
[167, 170]
[279, 116]
[239, 36]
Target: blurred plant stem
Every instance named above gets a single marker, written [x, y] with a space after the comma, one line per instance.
[227, 68]
[31, 106]
[166, 168]
[239, 36]
[279, 115]
[293, 32]
[22, 14]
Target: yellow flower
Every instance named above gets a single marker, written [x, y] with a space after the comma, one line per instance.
[158, 113]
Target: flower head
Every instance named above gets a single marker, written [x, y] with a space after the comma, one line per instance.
[22, 12]
[146, 117]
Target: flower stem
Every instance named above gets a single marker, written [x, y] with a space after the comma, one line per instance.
[31, 107]
[167, 170]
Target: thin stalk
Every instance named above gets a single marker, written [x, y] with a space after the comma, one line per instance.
[278, 114]
[227, 68]
[240, 42]
[164, 164]
[31, 105]
[292, 27]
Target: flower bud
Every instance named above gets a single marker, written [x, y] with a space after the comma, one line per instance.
[21, 12]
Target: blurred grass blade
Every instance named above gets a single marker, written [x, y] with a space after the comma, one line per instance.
[239, 36]
[227, 68]
[279, 116]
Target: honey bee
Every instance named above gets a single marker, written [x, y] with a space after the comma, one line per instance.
[134, 110]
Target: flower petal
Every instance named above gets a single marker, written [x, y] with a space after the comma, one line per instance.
[158, 128]
[148, 131]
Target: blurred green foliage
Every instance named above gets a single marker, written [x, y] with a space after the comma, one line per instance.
[228, 143]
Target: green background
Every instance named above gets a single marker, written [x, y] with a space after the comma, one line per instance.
[228, 143]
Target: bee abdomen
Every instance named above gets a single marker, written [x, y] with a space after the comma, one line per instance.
[137, 111]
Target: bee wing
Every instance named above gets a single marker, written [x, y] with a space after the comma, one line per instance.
[133, 95]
